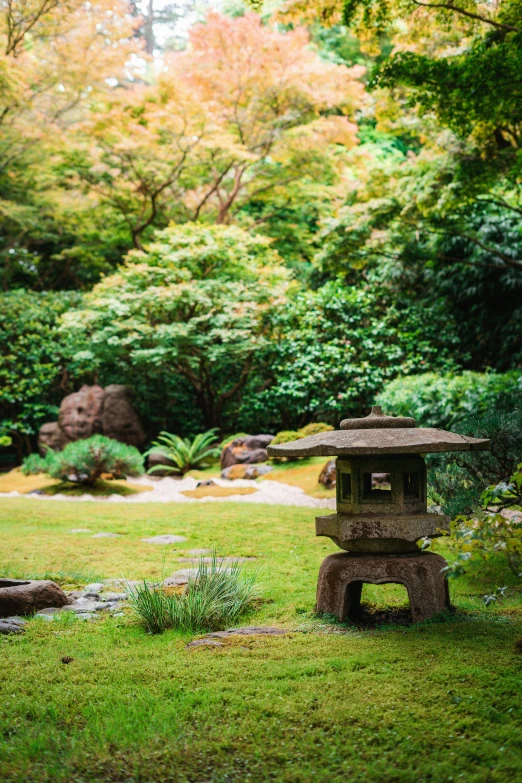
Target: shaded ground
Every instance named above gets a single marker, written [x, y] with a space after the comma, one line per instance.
[440, 701]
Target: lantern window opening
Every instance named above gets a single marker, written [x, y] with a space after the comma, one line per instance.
[376, 486]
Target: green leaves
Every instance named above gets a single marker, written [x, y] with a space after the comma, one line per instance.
[184, 453]
[85, 460]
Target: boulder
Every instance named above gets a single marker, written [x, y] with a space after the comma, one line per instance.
[245, 471]
[80, 413]
[247, 450]
[90, 411]
[51, 436]
[21, 597]
[119, 420]
[327, 477]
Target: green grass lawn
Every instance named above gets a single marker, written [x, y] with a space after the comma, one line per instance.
[435, 702]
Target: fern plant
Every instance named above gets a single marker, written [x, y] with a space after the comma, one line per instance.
[183, 452]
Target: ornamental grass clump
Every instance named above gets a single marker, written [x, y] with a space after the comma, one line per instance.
[84, 461]
[216, 597]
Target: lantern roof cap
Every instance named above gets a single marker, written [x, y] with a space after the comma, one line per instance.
[378, 420]
[378, 434]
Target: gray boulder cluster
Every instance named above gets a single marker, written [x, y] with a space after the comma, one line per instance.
[20, 599]
[246, 451]
[94, 410]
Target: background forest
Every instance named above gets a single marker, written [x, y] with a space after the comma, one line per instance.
[260, 216]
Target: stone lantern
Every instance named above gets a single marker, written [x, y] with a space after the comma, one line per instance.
[381, 511]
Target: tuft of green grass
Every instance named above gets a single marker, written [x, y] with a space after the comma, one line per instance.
[216, 597]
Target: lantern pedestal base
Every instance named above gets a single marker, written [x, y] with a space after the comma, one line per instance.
[342, 576]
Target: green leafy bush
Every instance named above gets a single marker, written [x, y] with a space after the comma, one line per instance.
[184, 453]
[496, 526]
[84, 461]
[216, 597]
[458, 479]
[314, 429]
[440, 400]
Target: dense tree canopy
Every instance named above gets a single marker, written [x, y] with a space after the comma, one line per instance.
[271, 218]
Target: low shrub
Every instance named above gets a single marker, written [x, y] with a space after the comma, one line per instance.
[440, 400]
[287, 436]
[84, 461]
[216, 597]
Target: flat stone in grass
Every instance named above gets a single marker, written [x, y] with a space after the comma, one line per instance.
[10, 625]
[81, 530]
[197, 552]
[164, 539]
[209, 640]
[106, 535]
[95, 587]
[210, 560]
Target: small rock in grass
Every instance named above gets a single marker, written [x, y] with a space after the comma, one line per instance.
[81, 530]
[83, 605]
[95, 587]
[113, 597]
[15, 619]
[248, 630]
[164, 539]
[197, 552]
[106, 535]
[49, 611]
[205, 643]
[8, 627]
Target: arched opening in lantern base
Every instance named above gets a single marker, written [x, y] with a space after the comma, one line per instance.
[369, 603]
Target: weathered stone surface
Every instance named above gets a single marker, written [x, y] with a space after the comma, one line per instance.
[106, 535]
[248, 630]
[376, 435]
[383, 533]
[328, 475]
[80, 413]
[23, 597]
[245, 471]
[247, 450]
[205, 643]
[7, 627]
[200, 551]
[93, 410]
[164, 539]
[51, 436]
[342, 576]
[119, 420]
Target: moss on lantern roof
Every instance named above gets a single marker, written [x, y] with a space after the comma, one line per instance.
[378, 434]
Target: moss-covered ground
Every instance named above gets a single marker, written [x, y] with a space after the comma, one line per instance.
[440, 701]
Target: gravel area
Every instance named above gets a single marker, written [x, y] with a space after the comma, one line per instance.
[168, 490]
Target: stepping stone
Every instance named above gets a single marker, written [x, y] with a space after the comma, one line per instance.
[95, 587]
[165, 539]
[247, 630]
[210, 560]
[204, 643]
[81, 530]
[9, 627]
[197, 552]
[106, 535]
[48, 612]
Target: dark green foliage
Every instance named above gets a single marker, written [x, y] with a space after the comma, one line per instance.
[183, 452]
[442, 400]
[214, 599]
[458, 479]
[84, 461]
[33, 362]
[335, 350]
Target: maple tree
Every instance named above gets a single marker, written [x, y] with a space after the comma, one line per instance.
[244, 111]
